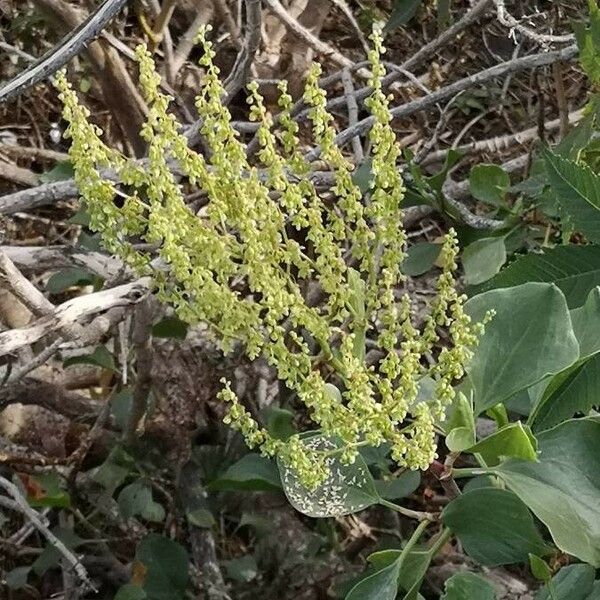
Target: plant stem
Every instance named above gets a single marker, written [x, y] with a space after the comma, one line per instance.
[439, 543]
[414, 538]
[407, 512]
[472, 472]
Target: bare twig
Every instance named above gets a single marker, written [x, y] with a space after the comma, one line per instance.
[61, 54]
[241, 69]
[18, 503]
[71, 311]
[410, 108]
[43, 258]
[343, 6]
[428, 50]
[502, 142]
[514, 25]
[306, 36]
[18, 174]
[142, 342]
[187, 40]
[352, 114]
[37, 361]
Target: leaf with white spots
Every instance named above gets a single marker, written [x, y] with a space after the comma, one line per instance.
[347, 489]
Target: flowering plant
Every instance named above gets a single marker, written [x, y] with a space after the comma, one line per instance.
[239, 267]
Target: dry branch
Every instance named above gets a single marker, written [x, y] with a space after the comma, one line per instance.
[410, 108]
[72, 311]
[62, 53]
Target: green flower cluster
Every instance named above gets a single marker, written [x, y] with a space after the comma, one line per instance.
[265, 242]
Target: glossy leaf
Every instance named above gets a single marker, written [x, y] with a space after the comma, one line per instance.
[402, 12]
[489, 183]
[573, 582]
[512, 441]
[130, 591]
[100, 357]
[577, 392]
[347, 489]
[136, 499]
[468, 586]
[251, 472]
[574, 269]
[563, 488]
[398, 487]
[577, 189]
[586, 324]
[420, 258]
[539, 568]
[460, 425]
[494, 526]
[170, 327]
[67, 278]
[508, 358]
[381, 585]
[166, 567]
[483, 259]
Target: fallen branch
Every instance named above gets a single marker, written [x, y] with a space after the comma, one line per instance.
[60, 55]
[72, 311]
[410, 108]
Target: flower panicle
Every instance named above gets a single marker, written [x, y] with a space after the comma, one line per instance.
[249, 263]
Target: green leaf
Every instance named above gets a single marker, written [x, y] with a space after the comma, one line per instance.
[54, 493]
[280, 423]
[17, 578]
[577, 139]
[577, 189]
[243, 569]
[573, 582]
[166, 564]
[170, 327]
[468, 586]
[574, 269]
[251, 472]
[420, 258]
[398, 487]
[381, 585]
[443, 13]
[347, 489]
[68, 278]
[489, 183]
[494, 526]
[100, 357]
[130, 591]
[586, 324]
[512, 441]
[588, 40]
[595, 593]
[59, 172]
[578, 392]
[563, 488]
[363, 177]
[114, 470]
[508, 357]
[136, 499]
[402, 12]
[539, 568]
[483, 259]
[412, 570]
[460, 425]
[201, 517]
